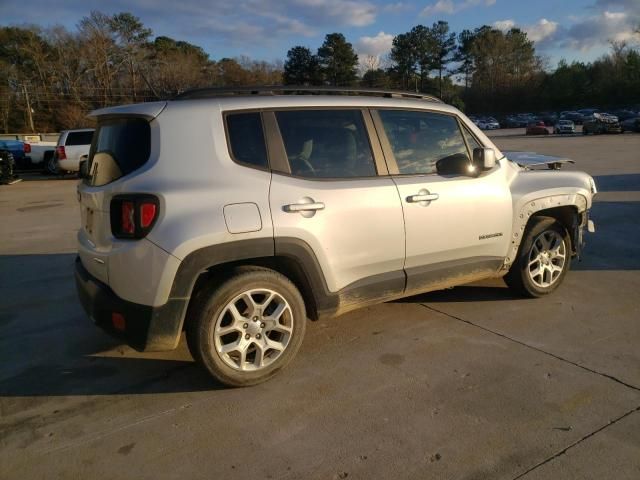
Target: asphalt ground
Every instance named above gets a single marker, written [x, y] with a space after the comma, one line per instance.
[467, 383]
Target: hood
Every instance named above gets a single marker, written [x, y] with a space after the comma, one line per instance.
[531, 159]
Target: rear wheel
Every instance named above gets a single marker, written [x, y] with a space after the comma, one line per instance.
[543, 259]
[245, 330]
[52, 166]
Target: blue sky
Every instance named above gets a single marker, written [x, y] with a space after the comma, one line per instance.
[266, 29]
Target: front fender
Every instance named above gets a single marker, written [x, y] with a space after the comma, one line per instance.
[534, 191]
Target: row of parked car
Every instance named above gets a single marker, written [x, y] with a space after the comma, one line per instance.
[71, 148]
[565, 122]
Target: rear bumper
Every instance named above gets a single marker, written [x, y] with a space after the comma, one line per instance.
[145, 328]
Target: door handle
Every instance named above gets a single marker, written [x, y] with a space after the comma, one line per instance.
[304, 207]
[423, 196]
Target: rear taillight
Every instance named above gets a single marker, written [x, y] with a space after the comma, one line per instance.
[127, 218]
[60, 153]
[133, 216]
[26, 147]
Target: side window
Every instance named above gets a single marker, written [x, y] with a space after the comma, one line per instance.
[425, 142]
[79, 138]
[246, 139]
[471, 140]
[326, 143]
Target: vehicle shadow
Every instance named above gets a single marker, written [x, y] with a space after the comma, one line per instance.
[38, 176]
[629, 182]
[615, 245]
[49, 347]
[465, 293]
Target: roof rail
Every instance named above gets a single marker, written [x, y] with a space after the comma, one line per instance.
[213, 92]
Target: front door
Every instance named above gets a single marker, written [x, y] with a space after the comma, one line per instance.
[458, 225]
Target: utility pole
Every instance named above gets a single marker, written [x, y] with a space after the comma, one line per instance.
[29, 113]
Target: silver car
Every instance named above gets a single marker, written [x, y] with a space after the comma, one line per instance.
[236, 215]
[564, 126]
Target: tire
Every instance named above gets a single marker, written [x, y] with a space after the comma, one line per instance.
[267, 292]
[52, 167]
[539, 237]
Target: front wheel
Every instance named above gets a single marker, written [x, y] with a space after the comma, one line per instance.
[248, 328]
[543, 259]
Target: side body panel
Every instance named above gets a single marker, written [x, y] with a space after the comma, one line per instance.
[467, 228]
[358, 234]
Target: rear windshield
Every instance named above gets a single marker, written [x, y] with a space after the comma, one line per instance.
[127, 140]
[79, 138]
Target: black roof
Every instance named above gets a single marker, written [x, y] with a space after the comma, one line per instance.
[213, 92]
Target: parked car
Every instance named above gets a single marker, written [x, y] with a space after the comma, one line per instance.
[511, 121]
[73, 146]
[549, 118]
[564, 126]
[631, 125]
[537, 128]
[601, 123]
[575, 117]
[488, 123]
[624, 114]
[237, 216]
[19, 150]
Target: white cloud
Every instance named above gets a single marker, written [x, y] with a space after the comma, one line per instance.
[604, 21]
[450, 7]
[504, 25]
[541, 30]
[398, 7]
[601, 28]
[375, 46]
[355, 13]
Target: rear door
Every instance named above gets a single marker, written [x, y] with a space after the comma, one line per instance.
[457, 224]
[327, 191]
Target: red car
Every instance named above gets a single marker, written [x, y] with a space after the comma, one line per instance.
[537, 128]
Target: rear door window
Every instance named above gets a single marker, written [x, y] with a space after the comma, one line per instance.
[127, 140]
[79, 138]
[326, 143]
[246, 139]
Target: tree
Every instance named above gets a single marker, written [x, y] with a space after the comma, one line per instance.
[175, 66]
[338, 61]
[464, 56]
[377, 78]
[444, 44]
[95, 31]
[506, 68]
[422, 44]
[404, 56]
[131, 36]
[301, 67]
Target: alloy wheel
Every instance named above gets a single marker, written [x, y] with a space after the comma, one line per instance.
[547, 259]
[253, 329]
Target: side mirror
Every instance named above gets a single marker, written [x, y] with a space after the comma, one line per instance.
[484, 158]
[83, 171]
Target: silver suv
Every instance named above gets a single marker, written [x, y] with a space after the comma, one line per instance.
[236, 215]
